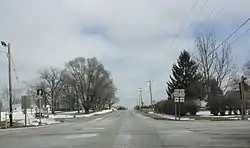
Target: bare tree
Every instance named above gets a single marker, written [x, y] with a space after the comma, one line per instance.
[51, 78]
[83, 81]
[246, 68]
[69, 93]
[225, 70]
[92, 82]
[214, 63]
[76, 70]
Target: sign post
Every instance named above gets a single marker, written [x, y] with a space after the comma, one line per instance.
[6, 120]
[1, 105]
[26, 103]
[179, 97]
[175, 111]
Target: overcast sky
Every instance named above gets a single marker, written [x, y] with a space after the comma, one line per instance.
[131, 37]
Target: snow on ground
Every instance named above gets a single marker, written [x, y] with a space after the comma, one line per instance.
[71, 114]
[200, 113]
[31, 120]
[18, 116]
[207, 114]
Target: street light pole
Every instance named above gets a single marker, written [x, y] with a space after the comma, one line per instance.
[10, 80]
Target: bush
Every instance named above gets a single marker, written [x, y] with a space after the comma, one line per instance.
[137, 107]
[146, 107]
[168, 107]
[164, 106]
[191, 107]
[218, 105]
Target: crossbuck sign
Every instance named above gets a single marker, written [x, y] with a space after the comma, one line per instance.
[179, 95]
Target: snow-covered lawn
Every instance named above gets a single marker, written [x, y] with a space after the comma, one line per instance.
[207, 114]
[201, 115]
[18, 116]
[71, 114]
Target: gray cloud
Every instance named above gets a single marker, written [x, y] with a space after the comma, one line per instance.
[132, 38]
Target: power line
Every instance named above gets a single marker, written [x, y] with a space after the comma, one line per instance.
[234, 32]
[204, 4]
[16, 76]
[202, 8]
[243, 34]
[183, 23]
[14, 69]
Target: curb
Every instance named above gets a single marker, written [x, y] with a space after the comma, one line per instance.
[153, 116]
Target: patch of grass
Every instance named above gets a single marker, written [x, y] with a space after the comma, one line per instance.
[15, 124]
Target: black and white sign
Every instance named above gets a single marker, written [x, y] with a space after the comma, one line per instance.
[179, 95]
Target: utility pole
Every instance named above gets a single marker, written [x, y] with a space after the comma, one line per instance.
[140, 90]
[10, 81]
[150, 92]
[243, 99]
[138, 100]
[243, 95]
[10, 85]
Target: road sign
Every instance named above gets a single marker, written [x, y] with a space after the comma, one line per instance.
[1, 105]
[182, 100]
[179, 93]
[179, 97]
[176, 99]
[179, 90]
[26, 102]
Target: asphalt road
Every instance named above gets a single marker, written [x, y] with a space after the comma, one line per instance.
[127, 129]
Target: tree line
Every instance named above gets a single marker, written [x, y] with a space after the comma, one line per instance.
[206, 75]
[83, 83]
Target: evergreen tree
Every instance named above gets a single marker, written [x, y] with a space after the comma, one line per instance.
[185, 76]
